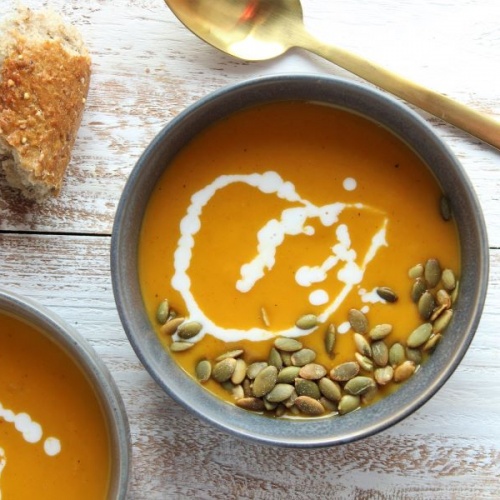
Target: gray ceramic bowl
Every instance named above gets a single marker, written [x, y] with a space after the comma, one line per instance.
[377, 107]
[70, 341]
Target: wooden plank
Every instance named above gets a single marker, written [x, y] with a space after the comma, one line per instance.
[147, 67]
[450, 448]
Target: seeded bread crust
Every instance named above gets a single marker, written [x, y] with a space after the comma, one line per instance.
[44, 82]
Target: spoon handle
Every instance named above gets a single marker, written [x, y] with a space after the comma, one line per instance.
[478, 124]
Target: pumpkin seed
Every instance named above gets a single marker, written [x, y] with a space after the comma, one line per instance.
[312, 371]
[287, 358]
[384, 375]
[303, 357]
[291, 400]
[203, 370]
[420, 335]
[404, 371]
[327, 404]
[348, 403]
[432, 342]
[223, 370]
[362, 345]
[432, 272]
[358, 321]
[162, 312]
[265, 317]
[288, 374]
[279, 393]
[443, 321]
[238, 392]
[179, 346]
[280, 411]
[414, 354]
[417, 289]
[396, 354]
[255, 368]
[386, 293]
[270, 406]
[445, 208]
[443, 298]
[365, 362]
[454, 294]
[251, 403]
[189, 330]
[358, 386]
[170, 327]
[369, 395]
[265, 381]
[416, 272]
[309, 406]
[437, 312]
[235, 353]
[330, 389]
[379, 332]
[275, 358]
[307, 321]
[380, 353]
[330, 337]
[426, 305]
[287, 344]
[449, 280]
[240, 372]
[344, 371]
[305, 387]
[247, 388]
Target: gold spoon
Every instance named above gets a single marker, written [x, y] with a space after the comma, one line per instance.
[256, 30]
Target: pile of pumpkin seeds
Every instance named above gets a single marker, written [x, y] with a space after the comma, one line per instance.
[289, 382]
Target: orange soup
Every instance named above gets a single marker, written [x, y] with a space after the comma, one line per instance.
[293, 212]
[54, 439]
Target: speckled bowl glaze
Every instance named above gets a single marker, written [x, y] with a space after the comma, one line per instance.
[392, 115]
[75, 346]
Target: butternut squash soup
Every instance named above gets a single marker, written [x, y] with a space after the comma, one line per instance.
[54, 440]
[298, 259]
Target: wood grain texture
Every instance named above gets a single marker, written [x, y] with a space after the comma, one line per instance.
[146, 69]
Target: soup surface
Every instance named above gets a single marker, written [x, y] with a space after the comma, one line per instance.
[54, 440]
[284, 210]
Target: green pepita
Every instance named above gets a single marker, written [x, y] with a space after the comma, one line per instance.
[443, 321]
[404, 371]
[162, 312]
[380, 353]
[386, 293]
[384, 375]
[287, 345]
[358, 321]
[203, 370]
[445, 208]
[396, 354]
[170, 327]
[432, 342]
[379, 332]
[312, 371]
[275, 358]
[348, 403]
[426, 305]
[265, 381]
[416, 272]
[189, 330]
[344, 371]
[180, 346]
[279, 393]
[307, 321]
[303, 357]
[420, 335]
[330, 337]
[288, 374]
[432, 272]
[235, 353]
[255, 368]
[223, 370]
[251, 403]
[358, 386]
[240, 372]
[305, 387]
[309, 406]
[417, 289]
[330, 389]
[449, 280]
[365, 362]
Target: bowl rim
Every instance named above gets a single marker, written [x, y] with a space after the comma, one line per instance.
[73, 344]
[210, 108]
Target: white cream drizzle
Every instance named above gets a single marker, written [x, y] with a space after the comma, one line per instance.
[291, 222]
[31, 431]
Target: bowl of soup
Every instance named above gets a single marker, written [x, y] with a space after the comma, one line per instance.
[63, 428]
[299, 260]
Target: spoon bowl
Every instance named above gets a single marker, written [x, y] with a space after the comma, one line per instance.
[256, 30]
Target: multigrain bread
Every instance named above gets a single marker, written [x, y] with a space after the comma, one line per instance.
[44, 81]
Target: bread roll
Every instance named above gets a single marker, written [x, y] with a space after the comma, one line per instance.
[44, 81]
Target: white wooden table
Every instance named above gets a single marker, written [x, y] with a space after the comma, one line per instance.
[147, 68]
